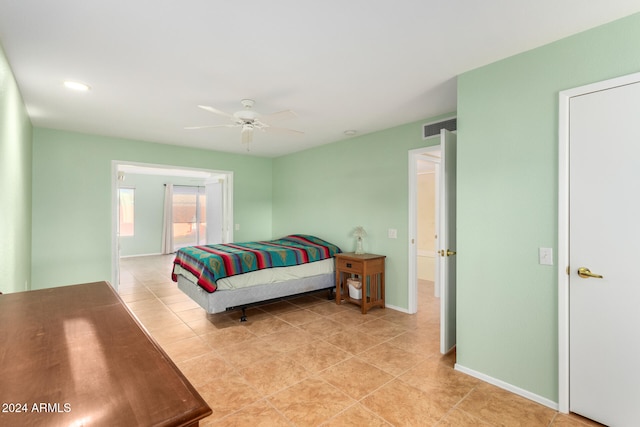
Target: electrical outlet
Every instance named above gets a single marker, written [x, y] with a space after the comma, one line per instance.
[393, 233]
[545, 256]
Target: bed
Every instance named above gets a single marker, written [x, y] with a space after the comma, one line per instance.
[237, 275]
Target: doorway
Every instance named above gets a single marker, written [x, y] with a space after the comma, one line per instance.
[427, 221]
[444, 237]
[218, 185]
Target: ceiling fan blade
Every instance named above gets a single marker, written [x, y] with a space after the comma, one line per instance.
[280, 115]
[213, 126]
[216, 111]
[272, 129]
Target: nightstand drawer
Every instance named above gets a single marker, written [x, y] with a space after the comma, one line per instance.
[349, 265]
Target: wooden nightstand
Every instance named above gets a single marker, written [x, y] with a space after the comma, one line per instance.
[369, 268]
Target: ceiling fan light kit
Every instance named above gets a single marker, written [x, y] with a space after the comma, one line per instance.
[248, 120]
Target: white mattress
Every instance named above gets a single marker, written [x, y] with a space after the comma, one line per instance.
[267, 275]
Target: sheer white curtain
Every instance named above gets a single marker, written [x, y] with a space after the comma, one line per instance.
[215, 214]
[167, 227]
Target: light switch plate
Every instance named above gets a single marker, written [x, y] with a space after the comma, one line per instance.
[393, 233]
[545, 256]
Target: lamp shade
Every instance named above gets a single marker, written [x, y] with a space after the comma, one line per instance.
[359, 232]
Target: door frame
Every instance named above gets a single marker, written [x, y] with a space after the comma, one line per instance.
[414, 155]
[162, 170]
[563, 224]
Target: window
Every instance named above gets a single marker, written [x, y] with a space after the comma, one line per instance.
[126, 211]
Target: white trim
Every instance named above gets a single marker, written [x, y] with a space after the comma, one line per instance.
[412, 291]
[506, 386]
[140, 255]
[115, 164]
[563, 254]
[227, 197]
[393, 307]
[115, 249]
[563, 225]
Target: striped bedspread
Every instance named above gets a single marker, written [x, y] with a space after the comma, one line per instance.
[212, 262]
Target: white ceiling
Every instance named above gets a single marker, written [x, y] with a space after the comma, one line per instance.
[339, 64]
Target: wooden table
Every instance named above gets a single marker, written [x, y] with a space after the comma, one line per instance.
[75, 355]
[369, 268]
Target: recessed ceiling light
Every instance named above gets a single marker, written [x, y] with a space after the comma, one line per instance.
[82, 87]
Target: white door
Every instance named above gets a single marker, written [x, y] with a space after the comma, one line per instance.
[604, 237]
[447, 232]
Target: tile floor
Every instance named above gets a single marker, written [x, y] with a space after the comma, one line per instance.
[306, 361]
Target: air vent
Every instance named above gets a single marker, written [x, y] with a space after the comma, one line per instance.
[433, 129]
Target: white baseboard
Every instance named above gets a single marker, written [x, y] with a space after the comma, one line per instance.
[509, 387]
[393, 307]
[139, 255]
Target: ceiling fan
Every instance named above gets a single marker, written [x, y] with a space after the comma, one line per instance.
[249, 120]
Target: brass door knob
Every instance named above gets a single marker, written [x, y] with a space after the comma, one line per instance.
[448, 252]
[585, 273]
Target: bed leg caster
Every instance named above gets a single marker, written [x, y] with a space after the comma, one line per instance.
[243, 318]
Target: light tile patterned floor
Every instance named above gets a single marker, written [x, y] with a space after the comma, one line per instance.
[306, 361]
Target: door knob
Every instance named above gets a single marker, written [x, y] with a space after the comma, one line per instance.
[585, 273]
[447, 252]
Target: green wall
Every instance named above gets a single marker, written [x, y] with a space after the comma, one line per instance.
[329, 190]
[507, 200]
[72, 199]
[15, 185]
[148, 214]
